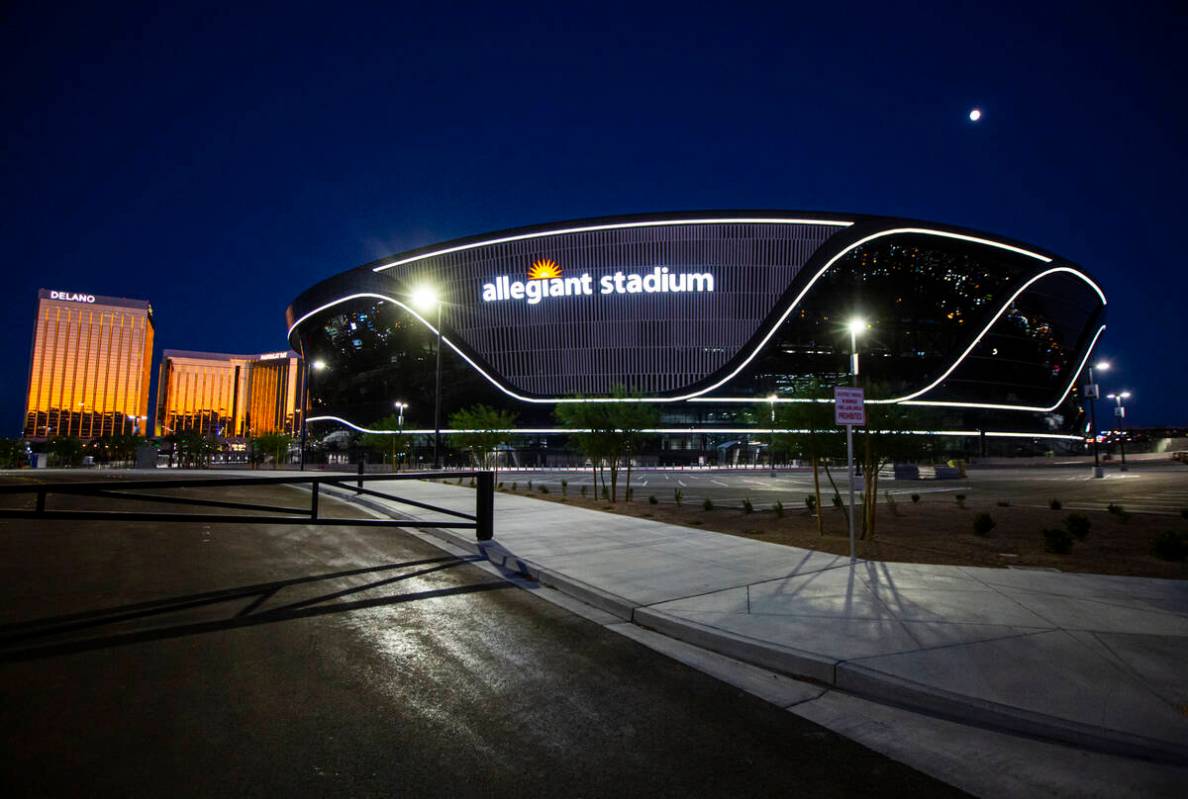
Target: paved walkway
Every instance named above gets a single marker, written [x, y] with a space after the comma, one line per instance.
[1094, 660]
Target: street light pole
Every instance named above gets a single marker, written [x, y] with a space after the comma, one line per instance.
[310, 370]
[1092, 392]
[856, 326]
[437, 397]
[1120, 412]
[771, 398]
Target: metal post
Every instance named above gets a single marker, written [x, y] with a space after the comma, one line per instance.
[850, 445]
[304, 413]
[437, 398]
[1093, 392]
[484, 510]
[362, 468]
[850, 469]
[313, 500]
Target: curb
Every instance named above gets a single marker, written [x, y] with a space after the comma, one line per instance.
[848, 677]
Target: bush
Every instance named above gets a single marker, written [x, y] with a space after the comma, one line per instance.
[1058, 540]
[960, 500]
[1170, 545]
[1077, 525]
[983, 524]
[529, 485]
[747, 506]
[564, 487]
[1055, 504]
[778, 507]
[708, 504]
[515, 486]
[810, 502]
[583, 492]
[652, 500]
[1119, 511]
[915, 498]
[678, 496]
[471, 483]
[500, 486]
[544, 489]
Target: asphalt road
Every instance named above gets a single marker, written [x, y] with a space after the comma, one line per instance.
[204, 660]
[1159, 487]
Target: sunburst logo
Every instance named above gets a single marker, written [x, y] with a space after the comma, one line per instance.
[544, 269]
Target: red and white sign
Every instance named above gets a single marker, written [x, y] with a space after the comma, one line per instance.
[848, 407]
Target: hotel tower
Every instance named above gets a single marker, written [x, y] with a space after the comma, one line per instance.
[90, 367]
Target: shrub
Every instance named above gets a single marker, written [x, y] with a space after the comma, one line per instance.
[515, 485]
[810, 502]
[747, 506]
[564, 487]
[544, 489]
[1170, 545]
[708, 504]
[652, 500]
[678, 496]
[960, 500]
[778, 507]
[1077, 525]
[983, 524]
[1055, 504]
[1058, 540]
[1119, 511]
[471, 483]
[500, 486]
[583, 492]
[915, 498]
[459, 481]
[529, 485]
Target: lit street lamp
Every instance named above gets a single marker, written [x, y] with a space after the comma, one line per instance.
[425, 299]
[400, 409]
[1091, 393]
[1120, 412]
[314, 367]
[857, 325]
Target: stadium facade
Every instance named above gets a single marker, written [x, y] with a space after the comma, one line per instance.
[712, 315]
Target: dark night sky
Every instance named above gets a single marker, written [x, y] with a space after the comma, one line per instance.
[217, 163]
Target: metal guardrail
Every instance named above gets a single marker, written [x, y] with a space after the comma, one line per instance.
[482, 521]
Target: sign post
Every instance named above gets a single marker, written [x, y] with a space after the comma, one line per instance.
[849, 409]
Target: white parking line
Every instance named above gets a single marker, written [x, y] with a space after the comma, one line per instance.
[682, 482]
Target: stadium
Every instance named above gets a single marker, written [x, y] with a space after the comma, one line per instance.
[714, 317]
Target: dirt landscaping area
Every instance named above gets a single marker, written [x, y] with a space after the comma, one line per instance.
[936, 529]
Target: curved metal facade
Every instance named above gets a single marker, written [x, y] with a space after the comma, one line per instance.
[958, 319]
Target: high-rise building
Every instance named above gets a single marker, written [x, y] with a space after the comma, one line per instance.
[229, 396]
[90, 366]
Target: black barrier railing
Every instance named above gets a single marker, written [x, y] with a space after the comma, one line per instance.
[482, 521]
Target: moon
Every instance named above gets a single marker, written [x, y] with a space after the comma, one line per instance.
[975, 115]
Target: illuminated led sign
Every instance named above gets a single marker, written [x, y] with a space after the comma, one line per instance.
[550, 283]
[272, 356]
[70, 296]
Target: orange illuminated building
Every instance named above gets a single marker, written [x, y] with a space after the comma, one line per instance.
[90, 367]
[227, 396]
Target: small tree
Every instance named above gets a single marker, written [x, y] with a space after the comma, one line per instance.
[609, 433]
[810, 434]
[275, 444]
[391, 444]
[886, 438]
[487, 428]
[12, 451]
[66, 450]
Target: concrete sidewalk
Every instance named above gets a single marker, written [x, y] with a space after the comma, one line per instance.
[1097, 661]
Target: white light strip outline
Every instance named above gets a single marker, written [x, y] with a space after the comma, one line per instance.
[679, 431]
[615, 226]
[692, 396]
